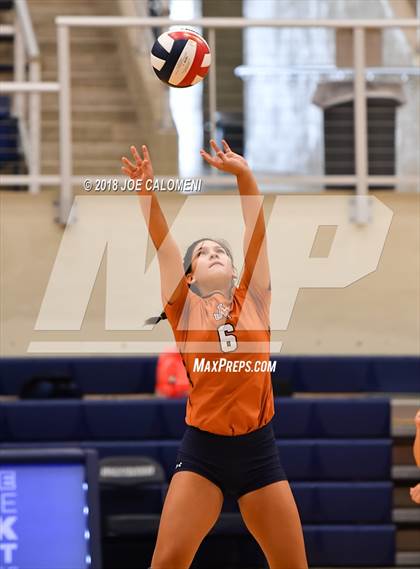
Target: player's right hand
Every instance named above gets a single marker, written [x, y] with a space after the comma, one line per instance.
[226, 160]
[142, 168]
[415, 494]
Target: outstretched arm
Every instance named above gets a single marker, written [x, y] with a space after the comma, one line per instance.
[415, 491]
[256, 264]
[169, 256]
[416, 445]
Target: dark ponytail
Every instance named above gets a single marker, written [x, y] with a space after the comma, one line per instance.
[155, 319]
[187, 264]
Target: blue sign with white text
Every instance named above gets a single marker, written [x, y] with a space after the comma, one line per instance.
[43, 517]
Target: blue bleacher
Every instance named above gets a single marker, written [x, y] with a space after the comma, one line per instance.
[93, 375]
[159, 418]
[344, 502]
[355, 374]
[318, 502]
[351, 545]
[321, 374]
[336, 452]
[303, 460]
[331, 418]
[124, 375]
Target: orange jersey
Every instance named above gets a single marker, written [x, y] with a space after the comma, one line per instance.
[225, 346]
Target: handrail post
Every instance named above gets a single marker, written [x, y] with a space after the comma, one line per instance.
[66, 198]
[18, 70]
[360, 125]
[212, 83]
[34, 128]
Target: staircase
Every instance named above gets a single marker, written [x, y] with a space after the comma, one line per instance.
[229, 88]
[105, 118]
[11, 158]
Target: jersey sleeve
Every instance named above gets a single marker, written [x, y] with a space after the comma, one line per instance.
[180, 306]
[260, 297]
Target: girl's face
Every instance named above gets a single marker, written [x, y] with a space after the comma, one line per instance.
[211, 265]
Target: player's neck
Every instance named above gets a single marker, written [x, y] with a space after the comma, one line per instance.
[226, 292]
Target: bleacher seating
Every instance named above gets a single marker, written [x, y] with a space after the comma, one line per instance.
[321, 374]
[318, 502]
[336, 452]
[158, 419]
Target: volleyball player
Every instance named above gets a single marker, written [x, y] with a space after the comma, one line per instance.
[229, 445]
[415, 491]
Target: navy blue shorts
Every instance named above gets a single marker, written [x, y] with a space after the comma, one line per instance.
[237, 464]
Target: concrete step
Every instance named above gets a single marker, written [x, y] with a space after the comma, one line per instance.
[406, 515]
[91, 95]
[80, 75]
[98, 113]
[59, 6]
[96, 168]
[48, 29]
[85, 60]
[89, 77]
[45, 9]
[403, 411]
[98, 150]
[406, 472]
[79, 48]
[409, 559]
[48, 41]
[96, 131]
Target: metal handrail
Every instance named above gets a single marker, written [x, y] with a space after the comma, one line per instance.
[25, 22]
[65, 23]
[122, 21]
[29, 87]
[26, 49]
[244, 71]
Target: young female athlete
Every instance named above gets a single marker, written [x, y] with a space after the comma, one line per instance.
[229, 445]
[415, 490]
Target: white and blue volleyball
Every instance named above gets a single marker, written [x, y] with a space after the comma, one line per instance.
[181, 58]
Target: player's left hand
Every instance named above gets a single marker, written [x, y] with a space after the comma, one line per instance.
[415, 494]
[142, 168]
[225, 160]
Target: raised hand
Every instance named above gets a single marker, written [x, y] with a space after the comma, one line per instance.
[141, 169]
[226, 160]
[415, 494]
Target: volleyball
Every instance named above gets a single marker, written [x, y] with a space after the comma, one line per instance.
[181, 58]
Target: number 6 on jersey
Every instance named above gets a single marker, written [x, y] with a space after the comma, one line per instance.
[228, 342]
